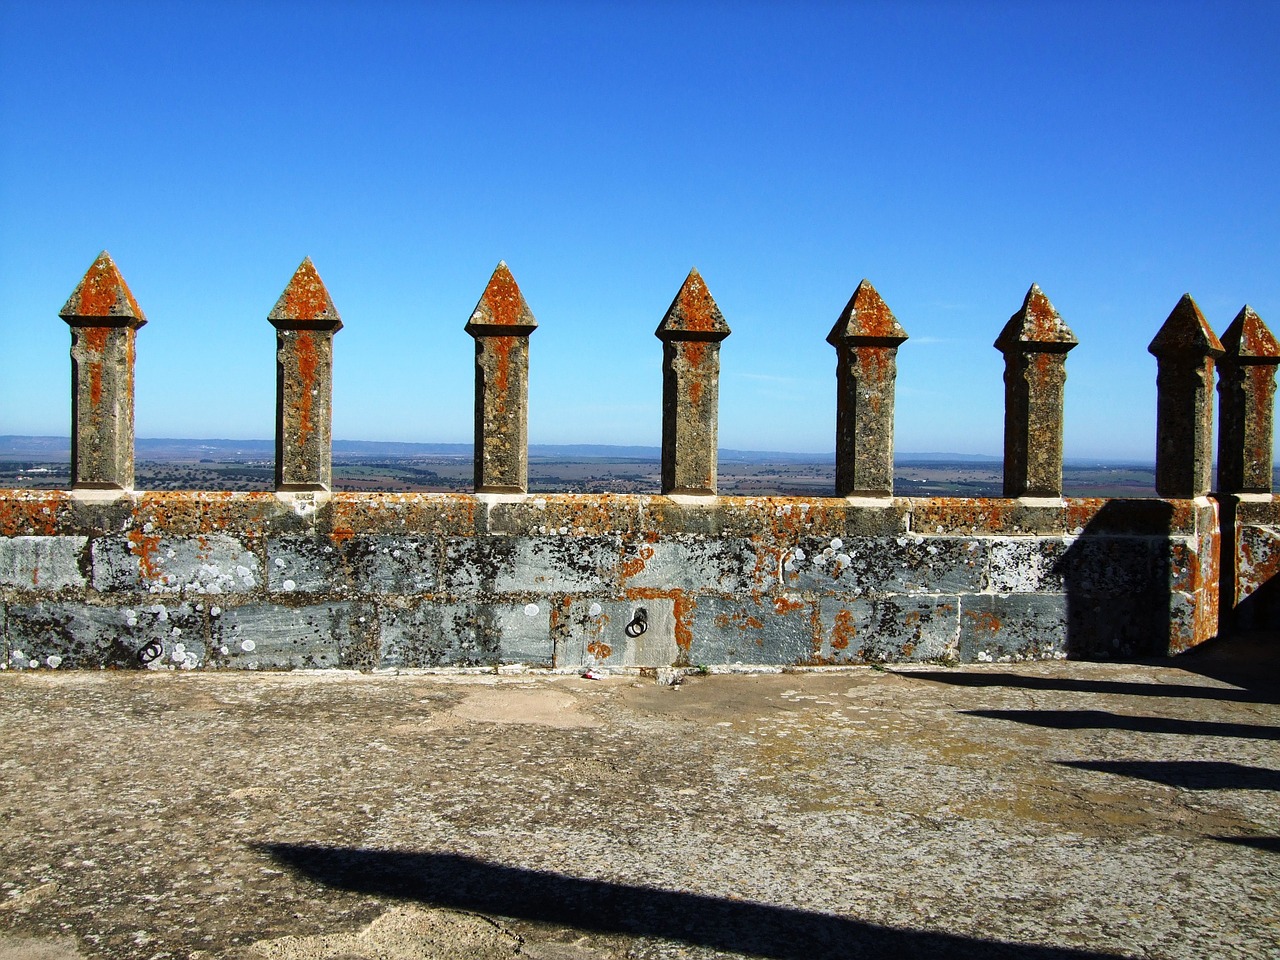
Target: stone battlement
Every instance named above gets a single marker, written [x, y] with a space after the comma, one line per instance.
[104, 576]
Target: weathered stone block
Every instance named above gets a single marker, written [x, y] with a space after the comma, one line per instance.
[1018, 626]
[880, 565]
[480, 567]
[214, 564]
[568, 514]
[466, 634]
[1102, 566]
[269, 636]
[888, 629]
[84, 636]
[749, 631]
[690, 563]
[42, 563]
[1026, 564]
[357, 564]
[610, 633]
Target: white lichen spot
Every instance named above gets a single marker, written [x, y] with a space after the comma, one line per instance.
[280, 565]
[289, 585]
[171, 553]
[148, 527]
[328, 549]
[842, 561]
[53, 660]
[594, 610]
[836, 543]
[248, 646]
[215, 611]
[530, 609]
[224, 650]
[33, 664]
[540, 503]
[396, 554]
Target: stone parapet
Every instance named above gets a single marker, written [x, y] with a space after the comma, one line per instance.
[573, 581]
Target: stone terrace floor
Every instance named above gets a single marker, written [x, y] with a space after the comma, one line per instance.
[1052, 810]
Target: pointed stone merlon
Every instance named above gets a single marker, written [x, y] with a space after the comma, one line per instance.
[866, 337]
[104, 320]
[1246, 392]
[691, 333]
[501, 324]
[1185, 349]
[1035, 343]
[305, 321]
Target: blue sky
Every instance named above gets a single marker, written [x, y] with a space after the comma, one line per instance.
[1118, 154]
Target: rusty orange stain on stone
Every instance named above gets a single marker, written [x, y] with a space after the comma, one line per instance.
[103, 293]
[843, 631]
[984, 621]
[503, 298]
[23, 516]
[699, 310]
[305, 351]
[635, 565]
[145, 546]
[782, 605]
[599, 649]
[95, 345]
[306, 297]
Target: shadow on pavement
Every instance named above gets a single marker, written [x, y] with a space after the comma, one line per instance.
[1188, 774]
[779, 933]
[1103, 720]
[1269, 844]
[1269, 694]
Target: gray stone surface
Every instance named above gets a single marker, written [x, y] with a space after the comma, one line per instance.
[1065, 811]
[1019, 626]
[42, 563]
[213, 564]
[67, 636]
[887, 629]
[695, 563]
[267, 636]
[742, 630]
[591, 633]
[359, 564]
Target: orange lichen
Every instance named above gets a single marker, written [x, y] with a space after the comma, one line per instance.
[306, 297]
[308, 361]
[503, 298]
[984, 621]
[843, 630]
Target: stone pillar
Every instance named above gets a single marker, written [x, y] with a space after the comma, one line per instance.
[1246, 392]
[104, 320]
[1185, 349]
[866, 337]
[690, 333]
[501, 324]
[1034, 342]
[305, 321]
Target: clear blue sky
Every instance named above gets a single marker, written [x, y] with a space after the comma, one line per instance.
[1118, 154]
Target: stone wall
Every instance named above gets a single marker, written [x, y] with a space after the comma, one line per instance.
[574, 581]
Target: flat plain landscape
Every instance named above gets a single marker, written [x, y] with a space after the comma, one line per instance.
[43, 463]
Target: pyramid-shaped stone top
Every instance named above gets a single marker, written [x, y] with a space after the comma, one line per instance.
[1186, 334]
[693, 314]
[866, 319]
[1038, 324]
[502, 310]
[305, 303]
[102, 299]
[1247, 338]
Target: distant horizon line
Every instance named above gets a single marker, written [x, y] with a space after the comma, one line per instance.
[47, 444]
